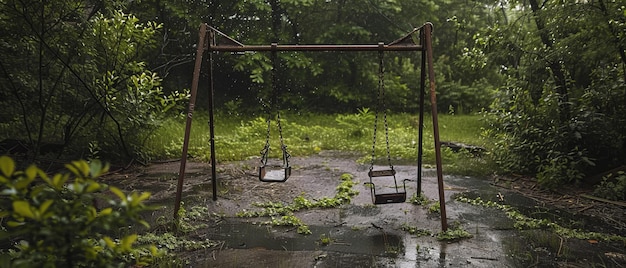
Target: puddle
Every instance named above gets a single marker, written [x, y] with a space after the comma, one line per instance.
[243, 235]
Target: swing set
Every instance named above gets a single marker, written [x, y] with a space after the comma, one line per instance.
[211, 40]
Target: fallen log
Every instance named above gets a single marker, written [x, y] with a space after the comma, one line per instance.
[457, 146]
[619, 203]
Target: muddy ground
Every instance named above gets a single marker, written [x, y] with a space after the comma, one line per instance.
[366, 235]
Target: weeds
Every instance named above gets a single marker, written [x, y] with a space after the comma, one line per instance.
[434, 208]
[325, 240]
[419, 200]
[282, 214]
[453, 234]
[414, 230]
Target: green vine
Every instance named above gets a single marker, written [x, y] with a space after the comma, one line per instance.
[524, 222]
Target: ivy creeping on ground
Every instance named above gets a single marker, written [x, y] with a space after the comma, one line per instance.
[524, 222]
[282, 214]
[454, 233]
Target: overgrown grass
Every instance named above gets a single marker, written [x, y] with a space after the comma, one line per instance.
[238, 138]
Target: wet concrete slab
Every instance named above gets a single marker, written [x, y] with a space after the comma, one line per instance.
[363, 234]
[358, 234]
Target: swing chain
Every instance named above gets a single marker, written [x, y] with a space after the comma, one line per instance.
[266, 148]
[382, 96]
[274, 101]
[380, 104]
[276, 97]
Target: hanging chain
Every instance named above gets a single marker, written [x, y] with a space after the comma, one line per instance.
[378, 97]
[266, 148]
[380, 105]
[274, 100]
[268, 110]
[276, 97]
[381, 82]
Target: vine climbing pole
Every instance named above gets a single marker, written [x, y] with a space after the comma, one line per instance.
[211, 40]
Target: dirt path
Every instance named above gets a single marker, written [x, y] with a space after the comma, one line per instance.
[361, 234]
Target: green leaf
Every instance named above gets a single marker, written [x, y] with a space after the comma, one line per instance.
[94, 186]
[79, 168]
[23, 183]
[14, 224]
[97, 169]
[59, 180]
[91, 213]
[23, 209]
[136, 199]
[105, 212]
[44, 177]
[144, 223]
[44, 207]
[127, 242]
[118, 192]
[109, 242]
[7, 166]
[31, 172]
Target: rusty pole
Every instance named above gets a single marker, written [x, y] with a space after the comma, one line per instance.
[420, 129]
[212, 128]
[192, 103]
[428, 28]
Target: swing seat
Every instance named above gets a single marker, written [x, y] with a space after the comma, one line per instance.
[382, 173]
[389, 198]
[386, 198]
[274, 175]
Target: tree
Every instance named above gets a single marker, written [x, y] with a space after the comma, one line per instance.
[561, 114]
[329, 81]
[72, 75]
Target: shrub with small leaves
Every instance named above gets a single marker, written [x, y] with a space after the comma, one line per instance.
[53, 221]
[612, 187]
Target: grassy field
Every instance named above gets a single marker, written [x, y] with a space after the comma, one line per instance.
[239, 138]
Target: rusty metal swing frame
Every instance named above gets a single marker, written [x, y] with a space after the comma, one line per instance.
[211, 40]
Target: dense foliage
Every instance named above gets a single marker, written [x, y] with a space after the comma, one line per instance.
[562, 113]
[72, 77]
[326, 82]
[98, 77]
[53, 221]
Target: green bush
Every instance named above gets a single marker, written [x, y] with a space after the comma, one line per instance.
[612, 187]
[54, 221]
[359, 124]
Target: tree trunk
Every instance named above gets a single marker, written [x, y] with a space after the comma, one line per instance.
[555, 66]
